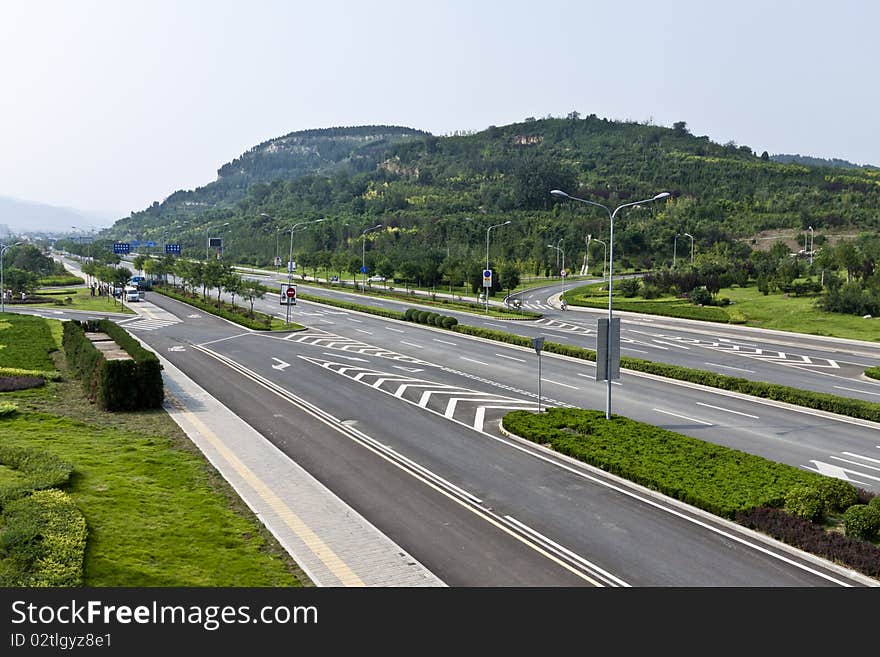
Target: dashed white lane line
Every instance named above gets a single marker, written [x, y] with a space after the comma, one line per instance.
[865, 392]
[683, 417]
[395, 330]
[454, 344]
[730, 367]
[478, 362]
[410, 344]
[727, 410]
[518, 360]
[565, 385]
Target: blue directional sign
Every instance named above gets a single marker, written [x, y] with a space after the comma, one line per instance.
[487, 278]
[149, 243]
[121, 247]
[134, 243]
[172, 248]
[364, 269]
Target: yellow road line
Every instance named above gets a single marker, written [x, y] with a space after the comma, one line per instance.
[312, 541]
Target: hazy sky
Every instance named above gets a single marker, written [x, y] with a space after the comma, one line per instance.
[111, 105]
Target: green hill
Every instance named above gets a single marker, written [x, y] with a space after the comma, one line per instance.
[416, 184]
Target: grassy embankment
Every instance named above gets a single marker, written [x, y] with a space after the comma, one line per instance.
[158, 514]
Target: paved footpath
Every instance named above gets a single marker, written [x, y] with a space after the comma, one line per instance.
[331, 542]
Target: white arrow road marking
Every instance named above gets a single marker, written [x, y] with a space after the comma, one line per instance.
[408, 369]
[177, 348]
[830, 470]
[281, 364]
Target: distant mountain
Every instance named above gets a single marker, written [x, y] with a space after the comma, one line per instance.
[28, 217]
[818, 161]
[323, 151]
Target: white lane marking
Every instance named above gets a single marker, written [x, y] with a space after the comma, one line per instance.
[839, 473]
[859, 456]
[859, 463]
[568, 553]
[408, 369]
[281, 364]
[730, 367]
[641, 351]
[354, 358]
[359, 321]
[519, 360]
[363, 331]
[395, 330]
[491, 324]
[565, 385]
[864, 392]
[478, 362]
[684, 417]
[454, 344]
[672, 344]
[410, 344]
[727, 410]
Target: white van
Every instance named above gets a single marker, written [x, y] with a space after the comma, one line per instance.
[131, 293]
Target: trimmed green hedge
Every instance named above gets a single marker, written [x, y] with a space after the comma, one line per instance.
[717, 479]
[381, 312]
[43, 541]
[429, 318]
[873, 372]
[662, 308]
[39, 470]
[116, 385]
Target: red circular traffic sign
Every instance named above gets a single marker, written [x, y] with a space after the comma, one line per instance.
[291, 292]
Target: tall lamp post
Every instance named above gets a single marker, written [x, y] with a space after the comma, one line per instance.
[674, 249]
[364, 252]
[486, 289]
[692, 246]
[810, 228]
[604, 256]
[3, 248]
[290, 259]
[611, 215]
[562, 273]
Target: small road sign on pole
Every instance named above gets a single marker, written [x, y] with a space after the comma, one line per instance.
[487, 278]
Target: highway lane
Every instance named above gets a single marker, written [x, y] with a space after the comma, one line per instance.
[843, 447]
[614, 536]
[831, 366]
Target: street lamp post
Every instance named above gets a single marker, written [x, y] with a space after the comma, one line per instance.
[486, 289]
[364, 253]
[562, 273]
[604, 256]
[810, 228]
[3, 248]
[611, 215]
[692, 246]
[674, 250]
[290, 259]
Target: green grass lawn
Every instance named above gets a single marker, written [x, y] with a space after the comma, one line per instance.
[158, 513]
[748, 307]
[81, 299]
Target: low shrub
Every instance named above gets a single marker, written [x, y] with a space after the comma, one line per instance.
[873, 372]
[53, 375]
[12, 383]
[862, 521]
[805, 502]
[42, 542]
[38, 469]
[837, 494]
[855, 553]
[8, 409]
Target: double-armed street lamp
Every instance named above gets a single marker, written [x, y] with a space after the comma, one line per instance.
[3, 248]
[611, 215]
[486, 289]
[364, 253]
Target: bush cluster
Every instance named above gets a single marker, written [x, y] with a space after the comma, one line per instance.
[873, 372]
[39, 470]
[43, 541]
[430, 318]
